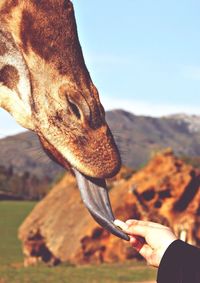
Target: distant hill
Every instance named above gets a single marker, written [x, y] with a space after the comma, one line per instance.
[138, 138]
[192, 121]
[24, 153]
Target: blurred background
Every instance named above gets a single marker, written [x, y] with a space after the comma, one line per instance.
[144, 58]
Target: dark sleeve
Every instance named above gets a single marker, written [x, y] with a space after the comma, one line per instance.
[180, 264]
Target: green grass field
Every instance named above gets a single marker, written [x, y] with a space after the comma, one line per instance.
[11, 258]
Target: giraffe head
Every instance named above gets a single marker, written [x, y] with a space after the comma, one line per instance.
[45, 85]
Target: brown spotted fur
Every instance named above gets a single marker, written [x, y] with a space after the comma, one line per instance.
[3, 48]
[9, 76]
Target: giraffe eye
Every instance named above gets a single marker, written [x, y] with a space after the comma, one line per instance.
[75, 110]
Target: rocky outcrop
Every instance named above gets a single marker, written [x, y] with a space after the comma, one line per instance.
[59, 229]
[167, 191]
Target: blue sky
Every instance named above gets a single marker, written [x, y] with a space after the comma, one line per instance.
[143, 55]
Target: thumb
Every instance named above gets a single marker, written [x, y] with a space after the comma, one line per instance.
[138, 228]
[135, 228]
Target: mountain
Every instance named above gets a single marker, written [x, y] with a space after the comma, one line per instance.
[192, 121]
[138, 138]
[24, 153]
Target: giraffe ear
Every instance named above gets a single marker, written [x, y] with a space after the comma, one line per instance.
[10, 101]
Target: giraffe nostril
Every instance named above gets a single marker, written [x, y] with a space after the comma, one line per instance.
[75, 110]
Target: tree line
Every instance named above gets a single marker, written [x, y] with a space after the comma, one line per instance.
[25, 186]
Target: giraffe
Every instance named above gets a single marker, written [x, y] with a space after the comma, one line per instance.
[46, 87]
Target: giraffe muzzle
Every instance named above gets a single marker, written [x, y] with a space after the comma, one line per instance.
[95, 196]
[93, 191]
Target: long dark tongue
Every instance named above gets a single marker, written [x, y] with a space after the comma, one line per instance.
[95, 197]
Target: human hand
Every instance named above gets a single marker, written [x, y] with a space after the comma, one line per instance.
[150, 239]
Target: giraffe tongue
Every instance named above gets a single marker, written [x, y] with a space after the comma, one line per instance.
[95, 197]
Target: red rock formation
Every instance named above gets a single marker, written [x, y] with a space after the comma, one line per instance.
[60, 229]
[167, 190]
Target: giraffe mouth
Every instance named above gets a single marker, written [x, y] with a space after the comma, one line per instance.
[93, 191]
[95, 196]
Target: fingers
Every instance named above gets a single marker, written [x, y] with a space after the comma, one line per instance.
[135, 228]
[121, 224]
[148, 238]
[137, 242]
[144, 249]
[142, 228]
[130, 222]
[144, 223]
